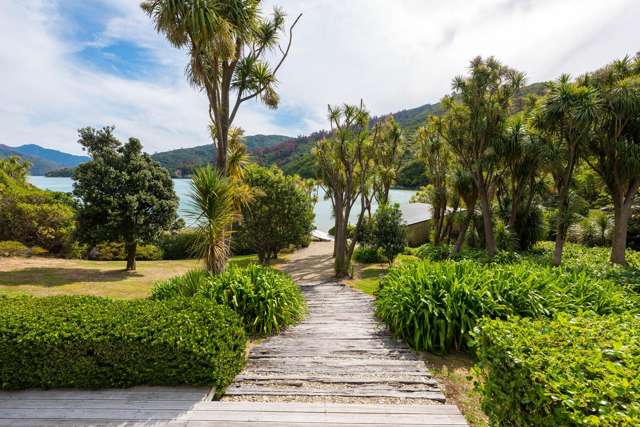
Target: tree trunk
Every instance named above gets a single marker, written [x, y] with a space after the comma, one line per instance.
[487, 221]
[340, 244]
[622, 213]
[562, 227]
[131, 256]
[462, 234]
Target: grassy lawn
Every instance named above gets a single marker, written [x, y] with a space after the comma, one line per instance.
[366, 277]
[54, 276]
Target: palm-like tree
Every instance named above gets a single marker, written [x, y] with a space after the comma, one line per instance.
[565, 116]
[213, 211]
[229, 43]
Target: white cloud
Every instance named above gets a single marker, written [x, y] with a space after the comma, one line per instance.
[393, 54]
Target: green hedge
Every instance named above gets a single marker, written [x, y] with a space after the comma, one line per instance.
[580, 371]
[368, 255]
[115, 251]
[434, 305]
[91, 342]
[266, 300]
[178, 245]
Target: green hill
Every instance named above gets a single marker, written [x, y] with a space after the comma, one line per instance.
[294, 156]
[182, 161]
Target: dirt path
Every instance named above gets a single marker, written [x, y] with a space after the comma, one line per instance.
[339, 353]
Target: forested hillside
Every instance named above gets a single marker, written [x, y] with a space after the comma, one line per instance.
[294, 156]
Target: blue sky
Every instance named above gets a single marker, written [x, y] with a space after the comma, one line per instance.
[65, 64]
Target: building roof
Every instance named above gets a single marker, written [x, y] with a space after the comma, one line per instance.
[414, 213]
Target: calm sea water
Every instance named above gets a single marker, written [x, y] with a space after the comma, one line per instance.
[323, 211]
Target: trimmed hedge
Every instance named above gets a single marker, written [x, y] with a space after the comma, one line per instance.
[91, 342]
[435, 305]
[13, 248]
[569, 371]
[266, 300]
[115, 251]
[368, 255]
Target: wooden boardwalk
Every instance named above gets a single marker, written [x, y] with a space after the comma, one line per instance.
[340, 353]
[339, 367]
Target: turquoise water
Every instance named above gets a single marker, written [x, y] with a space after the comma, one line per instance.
[323, 211]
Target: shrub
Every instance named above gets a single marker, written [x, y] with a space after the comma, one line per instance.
[433, 252]
[178, 245]
[529, 228]
[38, 251]
[368, 255]
[91, 342]
[568, 371]
[279, 215]
[434, 306]
[32, 216]
[186, 285]
[389, 232]
[115, 251]
[266, 300]
[13, 248]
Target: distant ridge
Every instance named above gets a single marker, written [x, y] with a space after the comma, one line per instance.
[42, 159]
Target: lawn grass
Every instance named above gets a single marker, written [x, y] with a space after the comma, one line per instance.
[53, 276]
[366, 277]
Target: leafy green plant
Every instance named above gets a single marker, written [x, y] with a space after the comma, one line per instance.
[13, 248]
[580, 371]
[368, 255]
[90, 342]
[116, 251]
[266, 300]
[434, 305]
[178, 245]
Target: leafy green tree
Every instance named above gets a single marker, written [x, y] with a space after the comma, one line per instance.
[437, 157]
[564, 116]
[280, 214]
[614, 147]
[475, 120]
[344, 166]
[229, 45]
[521, 156]
[32, 216]
[388, 150]
[389, 231]
[464, 185]
[124, 195]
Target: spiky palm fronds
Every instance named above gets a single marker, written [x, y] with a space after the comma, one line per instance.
[212, 210]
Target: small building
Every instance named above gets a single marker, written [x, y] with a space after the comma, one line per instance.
[417, 217]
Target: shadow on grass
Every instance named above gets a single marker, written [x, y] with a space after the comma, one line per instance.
[48, 276]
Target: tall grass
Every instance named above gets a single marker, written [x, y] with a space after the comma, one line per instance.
[435, 305]
[266, 300]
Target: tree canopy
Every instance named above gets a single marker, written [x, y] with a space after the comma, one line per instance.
[123, 194]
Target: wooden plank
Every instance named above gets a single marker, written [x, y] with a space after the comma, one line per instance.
[128, 394]
[245, 391]
[338, 379]
[328, 407]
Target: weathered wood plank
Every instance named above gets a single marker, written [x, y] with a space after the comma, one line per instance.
[245, 391]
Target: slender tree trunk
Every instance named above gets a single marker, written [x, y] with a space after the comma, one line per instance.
[515, 200]
[562, 227]
[622, 213]
[131, 248]
[487, 220]
[340, 245]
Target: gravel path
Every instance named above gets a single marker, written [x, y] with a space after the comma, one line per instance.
[339, 353]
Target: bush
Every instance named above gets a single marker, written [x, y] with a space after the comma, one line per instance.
[32, 216]
[115, 251]
[368, 255]
[178, 245]
[568, 371]
[279, 215]
[432, 252]
[529, 228]
[91, 342]
[434, 306]
[389, 231]
[13, 248]
[266, 300]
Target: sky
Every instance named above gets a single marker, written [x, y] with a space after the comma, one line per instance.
[67, 64]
